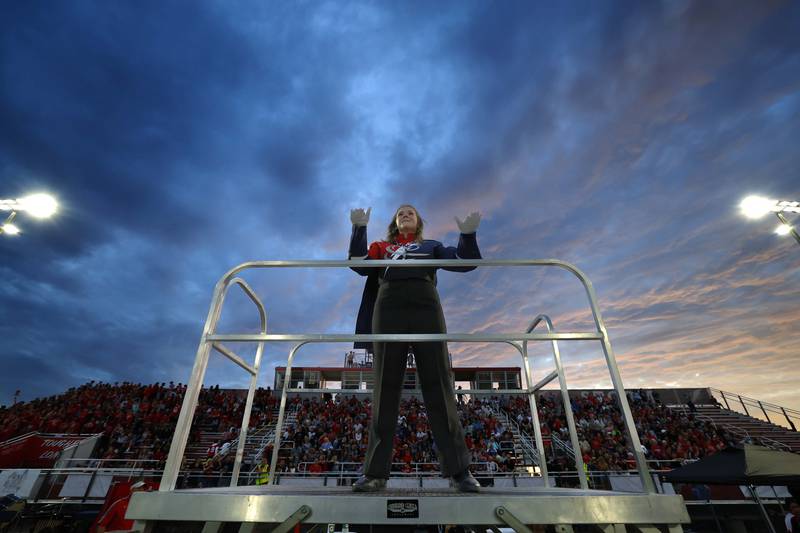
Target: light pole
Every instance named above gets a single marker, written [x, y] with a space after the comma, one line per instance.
[38, 205]
[756, 207]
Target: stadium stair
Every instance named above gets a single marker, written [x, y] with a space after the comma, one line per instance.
[745, 427]
[268, 437]
[525, 454]
[199, 449]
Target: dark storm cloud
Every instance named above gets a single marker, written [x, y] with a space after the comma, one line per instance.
[99, 99]
[507, 79]
[102, 105]
[152, 122]
[183, 139]
[293, 153]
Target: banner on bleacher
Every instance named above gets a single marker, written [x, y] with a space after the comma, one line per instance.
[20, 482]
[36, 451]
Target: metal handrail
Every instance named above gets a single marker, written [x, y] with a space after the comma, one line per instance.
[565, 447]
[18, 438]
[302, 468]
[755, 402]
[211, 339]
[258, 435]
[573, 431]
[345, 472]
[192, 394]
[265, 442]
[741, 434]
[774, 444]
[524, 440]
[106, 464]
[783, 412]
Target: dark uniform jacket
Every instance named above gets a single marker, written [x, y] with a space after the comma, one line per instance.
[402, 249]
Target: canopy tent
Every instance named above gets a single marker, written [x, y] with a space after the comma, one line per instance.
[751, 465]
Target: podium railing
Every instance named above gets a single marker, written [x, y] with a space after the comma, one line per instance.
[210, 339]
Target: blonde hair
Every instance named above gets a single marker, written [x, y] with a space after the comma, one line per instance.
[393, 231]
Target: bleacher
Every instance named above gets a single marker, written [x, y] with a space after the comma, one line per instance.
[746, 427]
[675, 426]
[504, 423]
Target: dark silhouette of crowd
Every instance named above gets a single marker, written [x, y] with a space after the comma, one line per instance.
[329, 434]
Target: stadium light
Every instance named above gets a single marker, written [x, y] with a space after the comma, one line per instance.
[758, 206]
[9, 229]
[755, 207]
[39, 205]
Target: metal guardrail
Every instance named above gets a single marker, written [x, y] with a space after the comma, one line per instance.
[52, 480]
[774, 444]
[18, 438]
[98, 463]
[567, 404]
[528, 449]
[732, 402]
[563, 446]
[211, 339]
[266, 440]
[262, 435]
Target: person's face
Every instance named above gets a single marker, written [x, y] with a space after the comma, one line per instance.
[406, 219]
[794, 509]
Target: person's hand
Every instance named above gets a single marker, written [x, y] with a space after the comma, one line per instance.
[470, 223]
[359, 217]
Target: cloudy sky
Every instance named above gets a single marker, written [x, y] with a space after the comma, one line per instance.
[183, 138]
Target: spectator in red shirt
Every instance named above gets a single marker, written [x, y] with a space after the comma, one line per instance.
[113, 518]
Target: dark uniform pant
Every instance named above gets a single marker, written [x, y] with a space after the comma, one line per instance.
[412, 306]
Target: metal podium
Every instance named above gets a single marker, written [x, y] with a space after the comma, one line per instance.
[279, 508]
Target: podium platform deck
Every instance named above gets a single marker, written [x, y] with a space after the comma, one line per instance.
[338, 505]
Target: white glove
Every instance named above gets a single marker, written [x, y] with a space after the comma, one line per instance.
[469, 224]
[359, 217]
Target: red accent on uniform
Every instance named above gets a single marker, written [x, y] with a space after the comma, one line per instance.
[378, 249]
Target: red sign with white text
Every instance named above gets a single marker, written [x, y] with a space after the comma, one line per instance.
[36, 451]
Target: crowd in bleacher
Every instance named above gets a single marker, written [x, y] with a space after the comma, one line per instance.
[665, 434]
[137, 422]
[332, 434]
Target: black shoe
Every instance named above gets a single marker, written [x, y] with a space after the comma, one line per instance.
[369, 484]
[464, 482]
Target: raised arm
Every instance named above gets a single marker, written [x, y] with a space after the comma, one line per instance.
[467, 243]
[358, 239]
